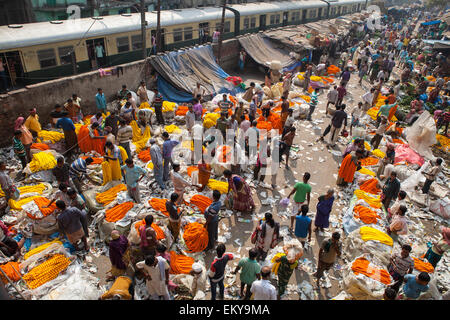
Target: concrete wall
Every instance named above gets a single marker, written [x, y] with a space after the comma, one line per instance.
[45, 95]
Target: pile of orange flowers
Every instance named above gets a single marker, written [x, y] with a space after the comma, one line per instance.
[40, 146]
[423, 266]
[110, 195]
[42, 202]
[96, 160]
[196, 237]
[159, 232]
[191, 169]
[332, 69]
[365, 214]
[180, 263]
[159, 205]
[369, 161]
[181, 111]
[202, 202]
[11, 269]
[361, 265]
[119, 211]
[370, 186]
[144, 155]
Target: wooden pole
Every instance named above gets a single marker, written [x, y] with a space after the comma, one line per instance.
[143, 25]
[158, 26]
[222, 27]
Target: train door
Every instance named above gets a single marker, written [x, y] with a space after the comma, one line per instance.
[203, 32]
[304, 15]
[319, 15]
[285, 18]
[262, 22]
[13, 76]
[98, 56]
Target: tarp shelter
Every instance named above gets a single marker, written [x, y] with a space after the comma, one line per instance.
[263, 51]
[184, 68]
[430, 23]
[170, 93]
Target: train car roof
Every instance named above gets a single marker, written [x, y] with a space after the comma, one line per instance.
[341, 2]
[268, 7]
[31, 34]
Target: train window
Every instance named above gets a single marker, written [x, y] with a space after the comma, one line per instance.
[136, 42]
[188, 33]
[246, 23]
[123, 44]
[359, 6]
[253, 23]
[47, 58]
[333, 11]
[177, 35]
[226, 27]
[312, 14]
[275, 19]
[344, 10]
[64, 54]
[295, 16]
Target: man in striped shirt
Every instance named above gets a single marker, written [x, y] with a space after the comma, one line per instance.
[19, 149]
[78, 171]
[313, 103]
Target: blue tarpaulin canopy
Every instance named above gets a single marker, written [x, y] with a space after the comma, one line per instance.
[430, 23]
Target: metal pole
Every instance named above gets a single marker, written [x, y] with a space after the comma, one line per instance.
[222, 25]
[158, 26]
[143, 35]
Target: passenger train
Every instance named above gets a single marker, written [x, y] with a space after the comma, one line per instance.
[37, 52]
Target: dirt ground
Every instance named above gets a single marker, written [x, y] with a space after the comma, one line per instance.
[323, 177]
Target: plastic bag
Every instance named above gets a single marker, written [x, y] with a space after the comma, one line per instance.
[284, 203]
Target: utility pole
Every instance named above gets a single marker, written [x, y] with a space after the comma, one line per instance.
[143, 35]
[158, 26]
[222, 25]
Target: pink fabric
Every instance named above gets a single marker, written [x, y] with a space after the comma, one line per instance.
[446, 234]
[19, 122]
[404, 153]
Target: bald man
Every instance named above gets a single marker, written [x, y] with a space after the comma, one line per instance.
[263, 289]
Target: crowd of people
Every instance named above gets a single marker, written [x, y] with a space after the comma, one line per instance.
[375, 59]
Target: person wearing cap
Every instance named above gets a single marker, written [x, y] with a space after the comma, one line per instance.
[133, 174]
[198, 272]
[32, 123]
[118, 254]
[329, 250]
[157, 160]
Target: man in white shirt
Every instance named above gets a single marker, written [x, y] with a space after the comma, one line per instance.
[332, 97]
[179, 183]
[156, 271]
[131, 100]
[199, 90]
[190, 118]
[367, 99]
[263, 289]
[357, 113]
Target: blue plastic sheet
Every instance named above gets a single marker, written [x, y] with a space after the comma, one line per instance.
[430, 23]
[170, 93]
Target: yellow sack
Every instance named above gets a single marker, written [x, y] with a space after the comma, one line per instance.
[106, 170]
[42, 161]
[315, 78]
[276, 265]
[367, 171]
[369, 233]
[17, 205]
[150, 165]
[52, 136]
[221, 186]
[210, 120]
[168, 106]
[367, 146]
[373, 200]
[300, 76]
[378, 153]
[39, 188]
[172, 129]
